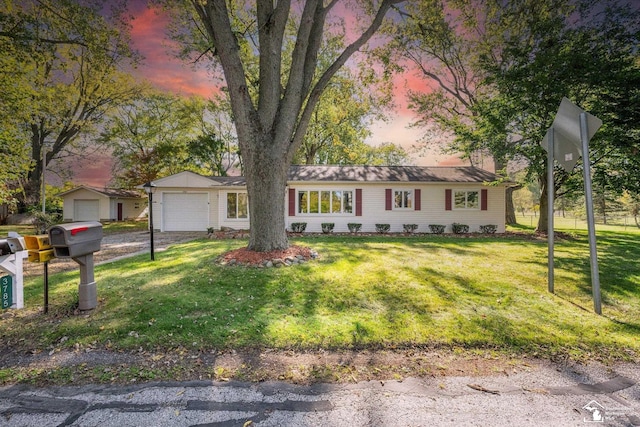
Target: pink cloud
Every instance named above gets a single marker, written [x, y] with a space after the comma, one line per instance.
[97, 174]
[161, 68]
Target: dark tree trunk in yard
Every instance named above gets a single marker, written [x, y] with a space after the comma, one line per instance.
[543, 220]
[266, 185]
[510, 211]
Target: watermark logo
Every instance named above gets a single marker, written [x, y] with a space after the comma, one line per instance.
[596, 411]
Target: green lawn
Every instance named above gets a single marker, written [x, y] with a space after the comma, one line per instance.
[475, 293]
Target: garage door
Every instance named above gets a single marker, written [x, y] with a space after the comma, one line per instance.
[86, 210]
[185, 211]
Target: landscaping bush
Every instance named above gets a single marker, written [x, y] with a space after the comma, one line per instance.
[354, 227]
[409, 228]
[383, 228]
[298, 227]
[437, 228]
[42, 221]
[458, 228]
[327, 227]
[488, 229]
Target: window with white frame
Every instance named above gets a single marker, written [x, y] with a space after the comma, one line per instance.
[325, 202]
[237, 205]
[403, 199]
[466, 199]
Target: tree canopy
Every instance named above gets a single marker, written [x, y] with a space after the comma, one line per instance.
[508, 65]
[68, 61]
[150, 136]
[272, 112]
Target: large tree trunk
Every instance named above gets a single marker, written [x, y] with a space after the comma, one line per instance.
[266, 185]
[543, 220]
[510, 211]
[500, 167]
[32, 188]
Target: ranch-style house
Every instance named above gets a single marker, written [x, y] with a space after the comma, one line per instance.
[366, 195]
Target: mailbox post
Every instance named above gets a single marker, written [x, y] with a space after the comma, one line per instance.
[40, 250]
[150, 188]
[78, 241]
[12, 253]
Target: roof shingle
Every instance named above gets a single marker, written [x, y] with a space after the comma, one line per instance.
[324, 173]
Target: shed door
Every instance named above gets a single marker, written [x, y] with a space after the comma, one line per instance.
[185, 211]
[86, 210]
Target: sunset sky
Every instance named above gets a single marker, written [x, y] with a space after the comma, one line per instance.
[171, 74]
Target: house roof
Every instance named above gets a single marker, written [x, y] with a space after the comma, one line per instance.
[114, 193]
[230, 180]
[324, 173]
[390, 173]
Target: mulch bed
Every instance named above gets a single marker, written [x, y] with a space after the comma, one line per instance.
[247, 257]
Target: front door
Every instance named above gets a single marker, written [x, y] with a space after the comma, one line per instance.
[120, 212]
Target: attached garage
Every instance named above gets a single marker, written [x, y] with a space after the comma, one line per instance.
[86, 210]
[185, 211]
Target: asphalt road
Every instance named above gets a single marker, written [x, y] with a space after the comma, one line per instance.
[545, 395]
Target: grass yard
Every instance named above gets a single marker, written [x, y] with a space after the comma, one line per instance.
[380, 292]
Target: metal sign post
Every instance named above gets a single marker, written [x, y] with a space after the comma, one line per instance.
[566, 140]
[551, 187]
[593, 254]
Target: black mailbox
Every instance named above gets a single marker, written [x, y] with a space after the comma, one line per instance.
[75, 239]
[5, 249]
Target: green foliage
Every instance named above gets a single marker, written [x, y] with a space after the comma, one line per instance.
[383, 228]
[215, 150]
[354, 227]
[62, 59]
[458, 228]
[327, 227]
[298, 227]
[150, 136]
[437, 228]
[42, 221]
[501, 70]
[409, 228]
[488, 229]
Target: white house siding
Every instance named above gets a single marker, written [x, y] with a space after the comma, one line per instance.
[131, 208]
[432, 208]
[69, 209]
